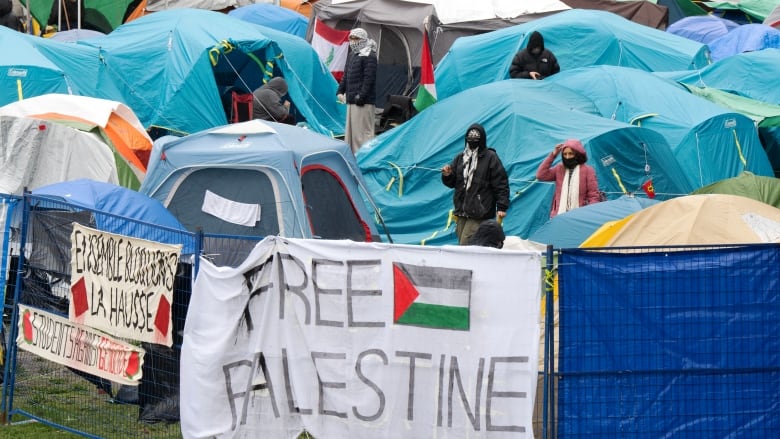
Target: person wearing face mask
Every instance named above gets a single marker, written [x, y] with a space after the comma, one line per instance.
[575, 182]
[358, 89]
[534, 62]
[480, 182]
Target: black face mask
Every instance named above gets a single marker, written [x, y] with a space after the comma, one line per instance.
[570, 163]
[473, 144]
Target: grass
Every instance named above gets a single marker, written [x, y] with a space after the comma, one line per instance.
[52, 392]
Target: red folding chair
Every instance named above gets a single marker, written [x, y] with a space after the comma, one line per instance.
[242, 107]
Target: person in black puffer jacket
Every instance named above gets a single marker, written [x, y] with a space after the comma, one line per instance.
[358, 89]
[534, 62]
[480, 182]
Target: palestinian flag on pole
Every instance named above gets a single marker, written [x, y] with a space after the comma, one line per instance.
[332, 46]
[426, 92]
[433, 297]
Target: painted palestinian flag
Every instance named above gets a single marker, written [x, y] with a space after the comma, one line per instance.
[432, 297]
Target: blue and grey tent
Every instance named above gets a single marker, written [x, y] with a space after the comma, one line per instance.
[524, 120]
[709, 141]
[175, 69]
[259, 178]
[578, 38]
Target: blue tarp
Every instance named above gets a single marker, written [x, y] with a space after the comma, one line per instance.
[114, 207]
[692, 334]
[578, 38]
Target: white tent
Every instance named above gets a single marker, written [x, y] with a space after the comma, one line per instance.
[36, 152]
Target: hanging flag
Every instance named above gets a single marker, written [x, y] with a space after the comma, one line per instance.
[426, 92]
[433, 297]
[332, 46]
[649, 189]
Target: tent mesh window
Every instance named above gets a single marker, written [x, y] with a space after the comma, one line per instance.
[331, 211]
[237, 185]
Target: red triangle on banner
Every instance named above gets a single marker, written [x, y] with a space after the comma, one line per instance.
[162, 320]
[79, 297]
[405, 293]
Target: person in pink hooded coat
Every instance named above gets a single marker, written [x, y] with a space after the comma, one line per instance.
[575, 182]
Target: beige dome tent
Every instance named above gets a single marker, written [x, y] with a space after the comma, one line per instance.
[693, 220]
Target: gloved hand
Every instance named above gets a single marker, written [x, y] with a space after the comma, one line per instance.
[341, 98]
[359, 100]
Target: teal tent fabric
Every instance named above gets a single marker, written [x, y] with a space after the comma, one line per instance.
[710, 142]
[174, 69]
[749, 74]
[578, 38]
[524, 120]
[25, 71]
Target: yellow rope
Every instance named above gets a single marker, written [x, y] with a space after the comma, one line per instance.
[450, 220]
[400, 180]
[549, 278]
[739, 148]
[19, 89]
[224, 46]
[620, 182]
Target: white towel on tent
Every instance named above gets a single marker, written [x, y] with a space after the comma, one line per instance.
[243, 214]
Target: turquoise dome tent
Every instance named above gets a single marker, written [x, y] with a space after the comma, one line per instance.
[578, 38]
[174, 69]
[524, 120]
[25, 71]
[709, 141]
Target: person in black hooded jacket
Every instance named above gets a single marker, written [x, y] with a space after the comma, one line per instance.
[534, 62]
[480, 182]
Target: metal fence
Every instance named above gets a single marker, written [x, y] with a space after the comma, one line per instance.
[638, 342]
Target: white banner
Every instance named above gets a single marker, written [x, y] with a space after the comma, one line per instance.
[122, 285]
[348, 339]
[64, 342]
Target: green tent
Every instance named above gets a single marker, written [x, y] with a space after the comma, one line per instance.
[764, 189]
[100, 15]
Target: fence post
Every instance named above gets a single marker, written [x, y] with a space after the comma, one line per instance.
[10, 354]
[549, 344]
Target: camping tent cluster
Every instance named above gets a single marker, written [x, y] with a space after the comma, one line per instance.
[671, 138]
[176, 69]
[179, 68]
